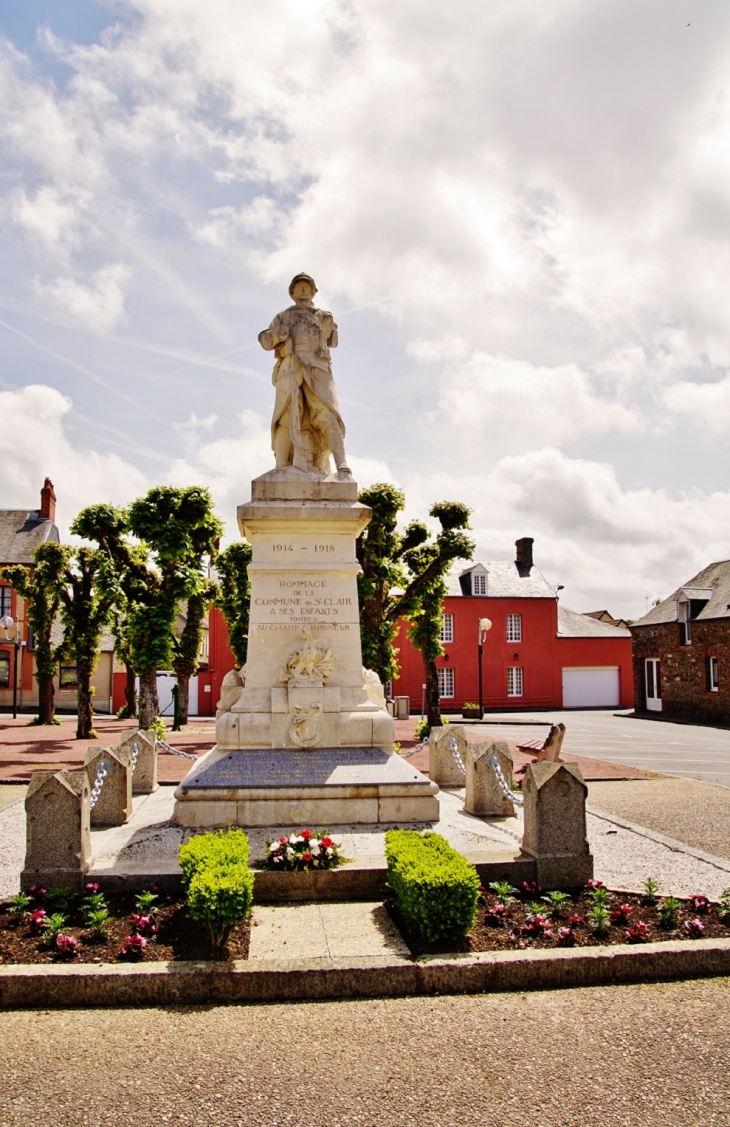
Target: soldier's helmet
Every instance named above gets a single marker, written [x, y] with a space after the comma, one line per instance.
[301, 278]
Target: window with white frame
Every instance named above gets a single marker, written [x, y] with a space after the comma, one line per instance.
[446, 682]
[447, 628]
[478, 583]
[514, 681]
[514, 627]
[713, 675]
[6, 601]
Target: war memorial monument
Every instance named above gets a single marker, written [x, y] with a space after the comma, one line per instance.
[302, 730]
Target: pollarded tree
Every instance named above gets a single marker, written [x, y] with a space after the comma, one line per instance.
[380, 552]
[178, 529]
[39, 586]
[429, 565]
[234, 595]
[186, 645]
[88, 592]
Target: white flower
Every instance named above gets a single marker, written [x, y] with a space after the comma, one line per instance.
[277, 860]
[273, 847]
[299, 840]
[330, 852]
[293, 839]
[314, 849]
[290, 853]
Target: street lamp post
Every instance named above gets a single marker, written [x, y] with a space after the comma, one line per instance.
[484, 626]
[12, 631]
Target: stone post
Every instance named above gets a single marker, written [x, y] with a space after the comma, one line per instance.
[113, 806]
[555, 824]
[484, 796]
[58, 841]
[144, 777]
[443, 768]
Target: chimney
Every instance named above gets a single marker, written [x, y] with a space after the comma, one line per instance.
[523, 558]
[48, 501]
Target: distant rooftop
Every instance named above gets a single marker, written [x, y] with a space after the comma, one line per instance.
[23, 530]
[571, 624]
[708, 594]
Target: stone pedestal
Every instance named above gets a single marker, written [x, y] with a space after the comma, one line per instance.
[555, 824]
[484, 796]
[58, 839]
[442, 766]
[303, 686]
[113, 806]
[144, 772]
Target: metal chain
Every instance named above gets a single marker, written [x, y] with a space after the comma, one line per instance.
[175, 750]
[413, 750]
[103, 768]
[453, 745]
[493, 762]
[135, 747]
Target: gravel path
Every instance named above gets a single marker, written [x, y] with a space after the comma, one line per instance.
[615, 1057]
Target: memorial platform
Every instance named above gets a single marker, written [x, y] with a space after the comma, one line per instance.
[322, 786]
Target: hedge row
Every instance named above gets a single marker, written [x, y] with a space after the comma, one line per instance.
[436, 889]
[218, 881]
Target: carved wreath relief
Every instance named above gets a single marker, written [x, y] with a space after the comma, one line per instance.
[304, 726]
[309, 666]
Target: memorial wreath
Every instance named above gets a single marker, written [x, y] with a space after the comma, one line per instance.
[308, 849]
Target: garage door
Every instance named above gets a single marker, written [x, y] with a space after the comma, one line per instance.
[591, 687]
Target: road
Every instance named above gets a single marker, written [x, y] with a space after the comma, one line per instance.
[615, 1057]
[690, 751]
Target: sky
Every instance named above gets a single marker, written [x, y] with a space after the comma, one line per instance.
[518, 213]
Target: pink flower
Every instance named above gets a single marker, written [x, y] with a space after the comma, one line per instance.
[695, 928]
[67, 945]
[283, 840]
[699, 904]
[133, 945]
[639, 933]
[91, 887]
[566, 937]
[621, 915]
[37, 917]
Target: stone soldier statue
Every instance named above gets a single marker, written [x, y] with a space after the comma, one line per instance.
[307, 426]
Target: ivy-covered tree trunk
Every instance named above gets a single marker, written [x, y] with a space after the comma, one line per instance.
[183, 698]
[130, 692]
[149, 704]
[84, 708]
[46, 698]
[433, 699]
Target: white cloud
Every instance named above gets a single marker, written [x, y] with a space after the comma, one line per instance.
[99, 305]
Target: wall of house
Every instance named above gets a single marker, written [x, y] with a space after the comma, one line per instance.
[683, 669]
[541, 654]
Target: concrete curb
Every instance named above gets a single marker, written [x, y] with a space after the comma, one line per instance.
[158, 984]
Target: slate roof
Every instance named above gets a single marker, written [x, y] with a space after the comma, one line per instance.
[571, 624]
[504, 581]
[712, 583]
[21, 531]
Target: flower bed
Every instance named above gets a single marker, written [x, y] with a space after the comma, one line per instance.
[162, 933]
[529, 918]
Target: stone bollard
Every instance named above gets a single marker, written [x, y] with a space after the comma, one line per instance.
[144, 776]
[443, 768]
[555, 824]
[58, 841]
[484, 796]
[113, 806]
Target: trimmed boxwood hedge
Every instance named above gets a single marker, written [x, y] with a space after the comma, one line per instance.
[436, 889]
[218, 881]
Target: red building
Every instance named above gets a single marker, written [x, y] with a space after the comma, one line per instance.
[537, 654]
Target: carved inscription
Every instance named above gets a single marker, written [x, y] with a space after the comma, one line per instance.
[304, 600]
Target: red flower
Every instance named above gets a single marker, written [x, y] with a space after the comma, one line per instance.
[306, 834]
[306, 856]
[326, 842]
[699, 904]
[37, 917]
[283, 840]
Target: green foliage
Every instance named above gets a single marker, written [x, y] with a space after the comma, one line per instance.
[651, 892]
[19, 905]
[599, 919]
[234, 596]
[599, 897]
[97, 922]
[158, 727]
[422, 730]
[61, 899]
[435, 887]
[147, 902]
[40, 587]
[723, 909]
[669, 908]
[186, 646]
[218, 881]
[92, 902]
[504, 890]
[54, 925]
[557, 902]
[124, 712]
[221, 898]
[212, 850]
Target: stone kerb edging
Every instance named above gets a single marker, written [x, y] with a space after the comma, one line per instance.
[149, 984]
